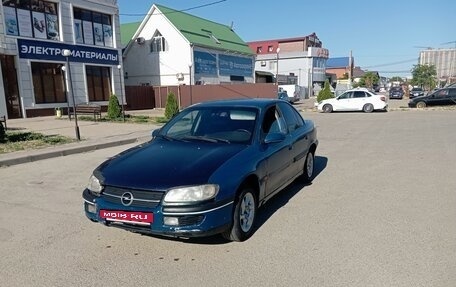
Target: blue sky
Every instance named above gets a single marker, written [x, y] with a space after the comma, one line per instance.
[384, 36]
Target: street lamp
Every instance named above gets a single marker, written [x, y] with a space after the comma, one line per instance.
[277, 68]
[119, 67]
[67, 53]
[66, 91]
[190, 79]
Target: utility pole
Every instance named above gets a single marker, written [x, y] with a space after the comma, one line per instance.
[350, 68]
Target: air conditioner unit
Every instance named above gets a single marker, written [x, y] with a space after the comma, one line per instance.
[140, 40]
[180, 76]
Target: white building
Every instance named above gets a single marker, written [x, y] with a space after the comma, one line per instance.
[306, 66]
[33, 35]
[170, 47]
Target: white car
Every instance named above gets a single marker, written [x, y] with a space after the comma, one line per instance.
[359, 99]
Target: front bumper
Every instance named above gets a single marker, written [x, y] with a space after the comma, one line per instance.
[197, 221]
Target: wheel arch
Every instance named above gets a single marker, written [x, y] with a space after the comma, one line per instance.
[251, 181]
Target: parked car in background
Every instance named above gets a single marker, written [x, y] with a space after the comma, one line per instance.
[284, 96]
[359, 99]
[294, 92]
[206, 171]
[416, 92]
[440, 97]
[396, 93]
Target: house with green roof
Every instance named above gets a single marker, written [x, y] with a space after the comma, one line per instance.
[171, 47]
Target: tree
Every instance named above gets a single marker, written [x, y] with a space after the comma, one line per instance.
[369, 79]
[172, 107]
[344, 77]
[424, 76]
[114, 108]
[325, 93]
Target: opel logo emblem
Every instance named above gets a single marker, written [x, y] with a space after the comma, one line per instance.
[127, 198]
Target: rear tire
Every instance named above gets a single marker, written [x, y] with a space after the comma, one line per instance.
[368, 108]
[327, 108]
[421, 105]
[244, 216]
[309, 168]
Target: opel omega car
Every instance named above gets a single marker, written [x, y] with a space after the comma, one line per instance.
[206, 171]
[359, 99]
[441, 97]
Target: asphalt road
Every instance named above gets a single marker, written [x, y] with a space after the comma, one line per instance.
[381, 212]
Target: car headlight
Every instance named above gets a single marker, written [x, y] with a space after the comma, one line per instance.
[191, 194]
[94, 185]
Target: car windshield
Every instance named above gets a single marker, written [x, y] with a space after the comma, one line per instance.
[417, 90]
[212, 125]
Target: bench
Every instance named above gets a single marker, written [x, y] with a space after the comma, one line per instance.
[3, 120]
[88, 108]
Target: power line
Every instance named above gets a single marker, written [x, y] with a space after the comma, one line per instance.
[183, 10]
[392, 64]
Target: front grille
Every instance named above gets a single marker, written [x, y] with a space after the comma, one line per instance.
[141, 198]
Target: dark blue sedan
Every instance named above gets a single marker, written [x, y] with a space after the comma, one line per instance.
[206, 171]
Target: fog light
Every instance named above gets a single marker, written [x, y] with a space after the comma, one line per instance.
[92, 208]
[174, 221]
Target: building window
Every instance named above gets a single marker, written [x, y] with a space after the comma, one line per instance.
[48, 83]
[258, 50]
[92, 28]
[270, 49]
[98, 83]
[31, 18]
[158, 43]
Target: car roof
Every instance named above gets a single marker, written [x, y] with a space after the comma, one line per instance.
[358, 89]
[246, 103]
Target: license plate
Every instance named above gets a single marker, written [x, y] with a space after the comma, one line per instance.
[143, 218]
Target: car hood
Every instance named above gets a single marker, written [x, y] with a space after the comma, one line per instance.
[161, 164]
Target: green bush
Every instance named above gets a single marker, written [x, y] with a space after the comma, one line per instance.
[172, 108]
[325, 93]
[114, 108]
[2, 133]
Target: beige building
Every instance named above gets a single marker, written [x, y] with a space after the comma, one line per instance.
[444, 61]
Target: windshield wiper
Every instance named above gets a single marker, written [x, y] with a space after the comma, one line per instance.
[168, 138]
[206, 139]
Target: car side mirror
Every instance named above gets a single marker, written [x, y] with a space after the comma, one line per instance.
[274, 138]
[155, 133]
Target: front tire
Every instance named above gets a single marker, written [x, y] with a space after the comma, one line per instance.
[244, 216]
[309, 168]
[421, 105]
[368, 108]
[327, 108]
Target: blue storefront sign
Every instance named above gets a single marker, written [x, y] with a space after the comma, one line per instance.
[235, 66]
[42, 50]
[205, 63]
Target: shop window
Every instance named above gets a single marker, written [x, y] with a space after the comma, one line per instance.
[48, 83]
[98, 83]
[31, 18]
[92, 28]
[158, 43]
